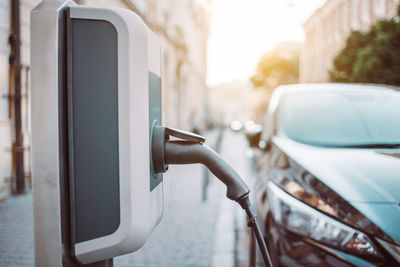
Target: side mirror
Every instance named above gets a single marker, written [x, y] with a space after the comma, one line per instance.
[253, 135]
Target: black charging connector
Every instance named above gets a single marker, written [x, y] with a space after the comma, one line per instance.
[190, 149]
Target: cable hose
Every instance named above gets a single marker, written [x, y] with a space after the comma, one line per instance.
[188, 152]
[253, 223]
[261, 244]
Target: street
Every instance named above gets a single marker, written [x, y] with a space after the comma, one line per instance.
[191, 232]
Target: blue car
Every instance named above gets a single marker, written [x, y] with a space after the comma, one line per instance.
[328, 175]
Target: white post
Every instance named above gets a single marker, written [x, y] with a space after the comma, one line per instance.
[45, 132]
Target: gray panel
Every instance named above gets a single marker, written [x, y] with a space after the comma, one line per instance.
[154, 115]
[93, 122]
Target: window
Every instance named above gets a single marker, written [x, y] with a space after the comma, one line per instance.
[341, 118]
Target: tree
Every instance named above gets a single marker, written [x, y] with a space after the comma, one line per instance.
[370, 57]
[343, 63]
[274, 70]
[276, 67]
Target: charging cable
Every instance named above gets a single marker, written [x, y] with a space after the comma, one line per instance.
[190, 150]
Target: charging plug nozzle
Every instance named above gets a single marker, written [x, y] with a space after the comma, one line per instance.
[190, 149]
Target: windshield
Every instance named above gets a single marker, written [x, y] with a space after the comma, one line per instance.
[341, 118]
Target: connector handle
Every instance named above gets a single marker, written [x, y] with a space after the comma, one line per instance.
[184, 135]
[184, 152]
[190, 150]
[159, 135]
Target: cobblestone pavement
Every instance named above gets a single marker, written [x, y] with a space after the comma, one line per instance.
[185, 236]
[192, 232]
[16, 232]
[235, 151]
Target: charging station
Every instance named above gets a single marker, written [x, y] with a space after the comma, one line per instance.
[96, 82]
[98, 144]
[114, 97]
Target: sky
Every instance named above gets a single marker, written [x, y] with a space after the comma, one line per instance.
[243, 30]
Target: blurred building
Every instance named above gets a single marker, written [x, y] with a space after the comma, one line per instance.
[327, 29]
[183, 27]
[5, 123]
[235, 100]
[7, 109]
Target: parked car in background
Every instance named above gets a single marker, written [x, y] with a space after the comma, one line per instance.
[236, 125]
[242, 125]
[253, 132]
[328, 166]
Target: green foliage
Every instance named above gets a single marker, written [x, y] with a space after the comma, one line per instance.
[371, 57]
[274, 70]
[343, 63]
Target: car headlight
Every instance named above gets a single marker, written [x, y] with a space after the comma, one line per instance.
[302, 219]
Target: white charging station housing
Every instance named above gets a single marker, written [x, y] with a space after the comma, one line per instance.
[114, 97]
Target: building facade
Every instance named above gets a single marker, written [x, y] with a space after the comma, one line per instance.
[237, 100]
[7, 112]
[5, 122]
[327, 29]
[183, 28]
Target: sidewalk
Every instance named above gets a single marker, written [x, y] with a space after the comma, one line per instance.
[185, 236]
[16, 232]
[232, 243]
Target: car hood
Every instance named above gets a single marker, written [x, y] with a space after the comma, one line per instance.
[367, 178]
[358, 175]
